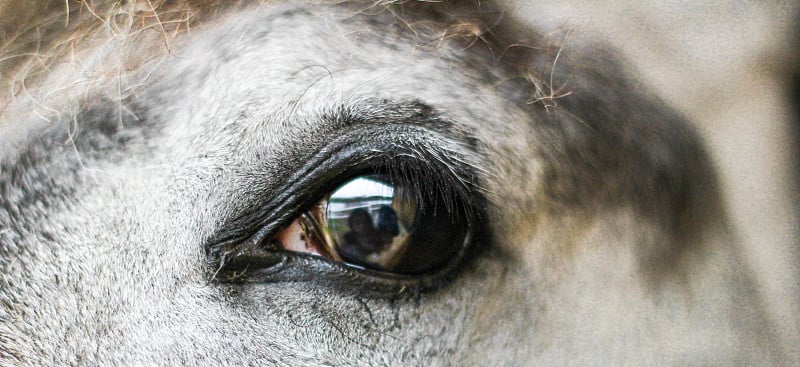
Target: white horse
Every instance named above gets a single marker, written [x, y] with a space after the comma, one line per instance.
[177, 184]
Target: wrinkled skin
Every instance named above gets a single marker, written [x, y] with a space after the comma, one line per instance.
[602, 241]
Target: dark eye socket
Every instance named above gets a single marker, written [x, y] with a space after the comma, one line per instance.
[372, 222]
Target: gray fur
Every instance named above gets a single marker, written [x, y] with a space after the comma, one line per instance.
[608, 243]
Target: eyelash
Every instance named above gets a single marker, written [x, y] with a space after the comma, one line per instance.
[429, 183]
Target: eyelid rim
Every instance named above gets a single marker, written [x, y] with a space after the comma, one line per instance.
[324, 172]
[340, 276]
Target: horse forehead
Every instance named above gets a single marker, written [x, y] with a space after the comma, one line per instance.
[277, 72]
[264, 88]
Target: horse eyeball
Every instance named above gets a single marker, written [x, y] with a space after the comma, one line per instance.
[371, 223]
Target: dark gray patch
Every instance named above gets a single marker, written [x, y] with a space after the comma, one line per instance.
[607, 140]
[47, 173]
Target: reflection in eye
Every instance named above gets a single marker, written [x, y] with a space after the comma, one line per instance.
[368, 222]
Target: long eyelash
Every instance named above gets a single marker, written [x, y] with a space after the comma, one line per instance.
[436, 182]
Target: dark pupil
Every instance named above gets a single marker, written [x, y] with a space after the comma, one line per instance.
[378, 225]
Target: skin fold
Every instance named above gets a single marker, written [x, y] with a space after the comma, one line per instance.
[148, 156]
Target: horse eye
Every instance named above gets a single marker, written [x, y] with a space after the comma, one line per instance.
[371, 223]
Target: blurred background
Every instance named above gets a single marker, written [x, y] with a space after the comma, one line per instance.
[732, 68]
